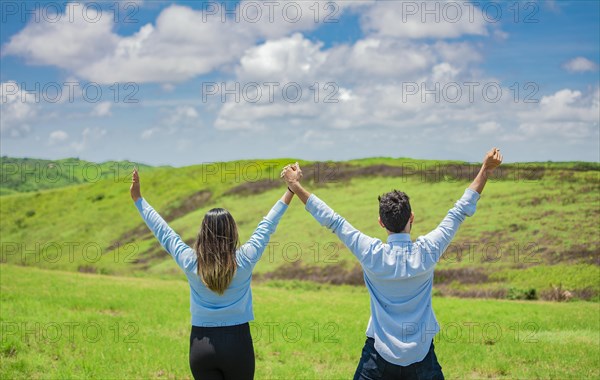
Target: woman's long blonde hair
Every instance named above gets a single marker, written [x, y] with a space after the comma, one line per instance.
[215, 247]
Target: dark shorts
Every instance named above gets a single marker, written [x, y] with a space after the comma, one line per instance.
[372, 366]
[222, 352]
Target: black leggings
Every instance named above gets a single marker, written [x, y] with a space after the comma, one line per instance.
[222, 352]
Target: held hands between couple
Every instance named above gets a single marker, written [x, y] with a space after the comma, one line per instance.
[292, 174]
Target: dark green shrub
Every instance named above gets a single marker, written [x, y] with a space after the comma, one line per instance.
[98, 197]
[522, 294]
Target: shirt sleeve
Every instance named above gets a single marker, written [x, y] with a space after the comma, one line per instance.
[435, 243]
[184, 256]
[357, 242]
[249, 253]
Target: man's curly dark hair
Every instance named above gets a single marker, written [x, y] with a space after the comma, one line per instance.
[394, 210]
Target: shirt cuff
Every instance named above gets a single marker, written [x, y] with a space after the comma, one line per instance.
[471, 196]
[141, 204]
[312, 204]
[277, 210]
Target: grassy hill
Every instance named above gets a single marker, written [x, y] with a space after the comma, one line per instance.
[93, 326]
[32, 174]
[535, 234]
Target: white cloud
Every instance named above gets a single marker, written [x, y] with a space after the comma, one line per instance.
[180, 45]
[368, 77]
[566, 105]
[256, 116]
[568, 131]
[379, 103]
[168, 87]
[275, 19]
[488, 127]
[18, 109]
[394, 57]
[88, 135]
[184, 43]
[363, 93]
[566, 113]
[444, 72]
[423, 19]
[174, 119]
[460, 54]
[286, 59]
[148, 133]
[57, 137]
[298, 59]
[180, 116]
[70, 43]
[102, 109]
[318, 137]
[580, 65]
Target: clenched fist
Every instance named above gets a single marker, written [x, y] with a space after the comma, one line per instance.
[492, 160]
[135, 186]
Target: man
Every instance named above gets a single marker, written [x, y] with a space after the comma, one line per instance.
[398, 275]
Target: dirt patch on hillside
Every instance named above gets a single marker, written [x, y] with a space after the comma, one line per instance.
[579, 253]
[145, 260]
[585, 294]
[338, 274]
[189, 204]
[140, 232]
[87, 269]
[252, 188]
[321, 173]
[462, 275]
[156, 253]
[335, 274]
[446, 291]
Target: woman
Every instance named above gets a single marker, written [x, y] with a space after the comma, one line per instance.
[219, 275]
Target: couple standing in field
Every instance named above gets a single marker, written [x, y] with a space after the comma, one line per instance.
[397, 273]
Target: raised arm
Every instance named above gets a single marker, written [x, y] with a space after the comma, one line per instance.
[438, 240]
[184, 255]
[252, 250]
[357, 242]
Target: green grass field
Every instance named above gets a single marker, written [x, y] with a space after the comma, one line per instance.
[94, 326]
[77, 261]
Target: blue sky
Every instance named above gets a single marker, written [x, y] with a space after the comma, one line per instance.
[400, 79]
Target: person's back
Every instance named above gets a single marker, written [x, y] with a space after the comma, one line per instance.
[401, 300]
[398, 275]
[219, 275]
[232, 307]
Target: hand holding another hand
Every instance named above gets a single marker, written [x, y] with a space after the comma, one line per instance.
[291, 174]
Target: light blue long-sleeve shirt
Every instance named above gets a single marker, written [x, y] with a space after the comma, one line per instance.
[208, 308]
[399, 277]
